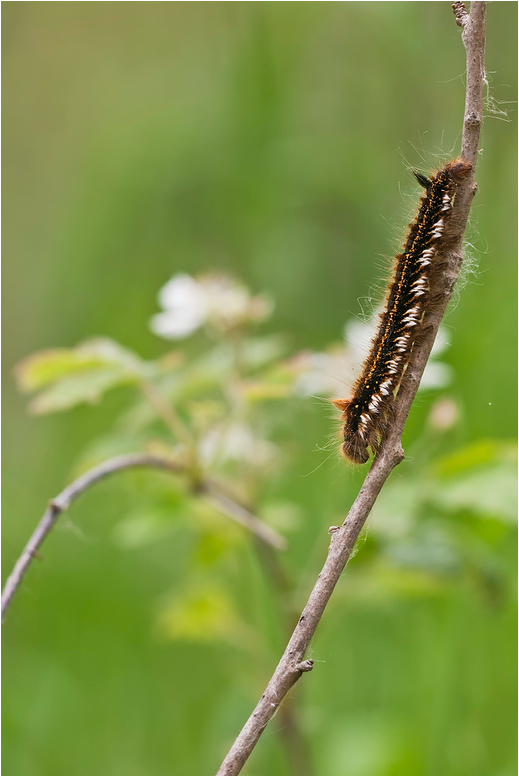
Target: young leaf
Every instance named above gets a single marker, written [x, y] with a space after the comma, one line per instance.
[48, 366]
[83, 387]
[80, 374]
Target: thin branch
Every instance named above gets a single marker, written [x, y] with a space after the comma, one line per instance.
[168, 414]
[290, 731]
[473, 37]
[62, 502]
[292, 664]
[242, 515]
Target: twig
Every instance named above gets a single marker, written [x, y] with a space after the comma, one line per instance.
[165, 411]
[63, 501]
[290, 730]
[242, 515]
[292, 665]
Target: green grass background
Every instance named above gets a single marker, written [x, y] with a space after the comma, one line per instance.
[267, 139]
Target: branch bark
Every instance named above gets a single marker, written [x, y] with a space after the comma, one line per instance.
[62, 502]
[292, 664]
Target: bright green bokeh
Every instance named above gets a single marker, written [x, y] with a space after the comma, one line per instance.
[270, 140]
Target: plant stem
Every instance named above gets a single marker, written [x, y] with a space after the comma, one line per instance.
[167, 412]
[232, 509]
[292, 664]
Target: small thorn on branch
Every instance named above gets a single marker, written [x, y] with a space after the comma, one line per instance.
[472, 119]
[460, 12]
[305, 666]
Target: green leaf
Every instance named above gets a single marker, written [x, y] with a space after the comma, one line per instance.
[46, 367]
[488, 491]
[80, 374]
[476, 454]
[143, 528]
[383, 581]
[431, 549]
[211, 547]
[203, 613]
[105, 447]
[85, 387]
[480, 478]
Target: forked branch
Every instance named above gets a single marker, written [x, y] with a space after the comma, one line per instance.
[62, 502]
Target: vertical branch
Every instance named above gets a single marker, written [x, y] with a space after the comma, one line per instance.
[292, 664]
[473, 37]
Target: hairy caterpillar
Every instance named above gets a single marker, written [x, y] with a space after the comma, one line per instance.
[366, 414]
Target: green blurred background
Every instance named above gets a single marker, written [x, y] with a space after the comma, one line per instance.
[269, 139]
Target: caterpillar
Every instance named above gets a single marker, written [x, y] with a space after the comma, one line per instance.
[366, 414]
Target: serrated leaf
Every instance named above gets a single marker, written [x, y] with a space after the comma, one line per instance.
[48, 366]
[80, 374]
[83, 387]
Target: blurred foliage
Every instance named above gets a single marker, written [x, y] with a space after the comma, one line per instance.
[205, 142]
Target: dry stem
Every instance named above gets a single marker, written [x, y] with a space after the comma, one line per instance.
[292, 664]
[62, 502]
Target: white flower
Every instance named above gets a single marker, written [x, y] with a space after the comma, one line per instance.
[184, 307]
[218, 300]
